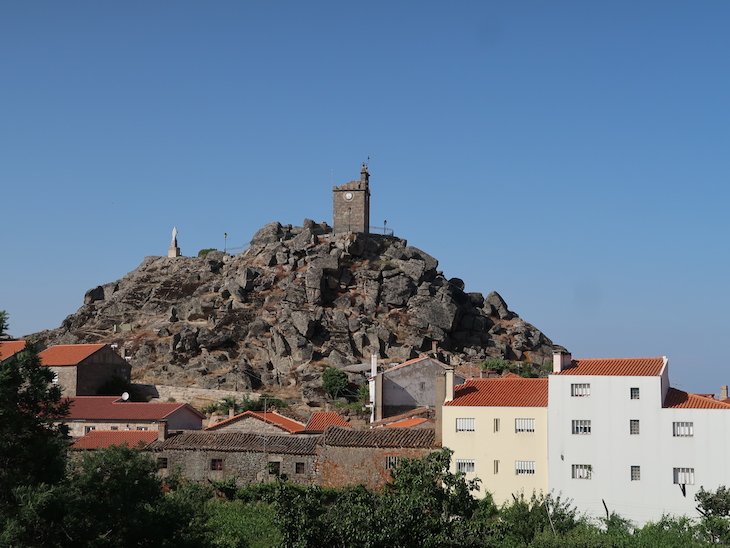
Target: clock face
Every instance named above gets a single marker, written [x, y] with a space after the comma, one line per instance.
[348, 196]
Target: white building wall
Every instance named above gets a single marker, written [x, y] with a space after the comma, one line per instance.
[611, 450]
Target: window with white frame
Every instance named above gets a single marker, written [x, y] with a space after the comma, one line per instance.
[496, 467]
[524, 467]
[55, 378]
[634, 393]
[683, 429]
[581, 426]
[465, 425]
[582, 471]
[391, 462]
[634, 426]
[496, 425]
[684, 476]
[465, 465]
[580, 389]
[635, 473]
[524, 425]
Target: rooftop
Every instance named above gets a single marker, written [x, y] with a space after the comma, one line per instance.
[113, 408]
[409, 423]
[626, 367]
[501, 392]
[380, 437]
[10, 348]
[321, 420]
[270, 417]
[239, 442]
[101, 439]
[68, 354]
[679, 399]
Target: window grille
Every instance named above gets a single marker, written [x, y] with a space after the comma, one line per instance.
[524, 425]
[580, 389]
[582, 471]
[465, 465]
[581, 426]
[683, 429]
[465, 425]
[524, 467]
[684, 476]
[634, 426]
[635, 473]
[634, 393]
[391, 462]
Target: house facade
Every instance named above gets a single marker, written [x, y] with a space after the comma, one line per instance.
[498, 431]
[82, 369]
[619, 435]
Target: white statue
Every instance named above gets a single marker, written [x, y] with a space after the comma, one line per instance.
[174, 237]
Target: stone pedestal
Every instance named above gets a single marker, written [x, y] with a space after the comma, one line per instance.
[173, 251]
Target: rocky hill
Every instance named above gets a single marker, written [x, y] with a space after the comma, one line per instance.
[298, 299]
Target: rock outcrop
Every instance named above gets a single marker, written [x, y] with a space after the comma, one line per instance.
[297, 299]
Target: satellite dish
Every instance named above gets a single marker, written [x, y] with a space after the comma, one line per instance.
[125, 396]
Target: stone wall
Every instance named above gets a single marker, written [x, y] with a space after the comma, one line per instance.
[66, 379]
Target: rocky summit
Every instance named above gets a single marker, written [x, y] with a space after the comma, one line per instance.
[298, 299]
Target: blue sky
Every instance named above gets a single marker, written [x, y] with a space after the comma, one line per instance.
[570, 155]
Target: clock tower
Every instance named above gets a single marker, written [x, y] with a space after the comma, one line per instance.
[351, 204]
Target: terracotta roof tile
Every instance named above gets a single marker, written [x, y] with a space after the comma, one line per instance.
[409, 423]
[239, 442]
[270, 417]
[679, 399]
[113, 408]
[68, 354]
[321, 420]
[10, 348]
[418, 411]
[100, 439]
[380, 437]
[501, 392]
[625, 367]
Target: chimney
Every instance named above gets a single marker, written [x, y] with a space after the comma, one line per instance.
[561, 360]
[723, 392]
[440, 397]
[449, 393]
[162, 430]
[434, 347]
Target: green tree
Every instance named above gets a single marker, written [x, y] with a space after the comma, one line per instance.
[334, 382]
[3, 324]
[715, 509]
[32, 445]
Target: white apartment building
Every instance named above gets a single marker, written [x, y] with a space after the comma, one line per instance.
[619, 435]
[498, 431]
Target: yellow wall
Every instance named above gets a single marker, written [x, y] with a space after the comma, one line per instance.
[484, 445]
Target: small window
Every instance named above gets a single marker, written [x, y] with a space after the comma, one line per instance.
[113, 428]
[423, 386]
[299, 468]
[581, 426]
[216, 464]
[683, 429]
[88, 429]
[274, 468]
[465, 465]
[635, 473]
[524, 425]
[465, 425]
[634, 426]
[496, 467]
[634, 393]
[496, 425]
[684, 476]
[162, 463]
[142, 428]
[524, 467]
[582, 471]
[54, 380]
[391, 462]
[580, 390]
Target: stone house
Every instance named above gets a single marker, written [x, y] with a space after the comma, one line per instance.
[8, 349]
[245, 457]
[408, 386]
[258, 422]
[88, 413]
[366, 457]
[82, 369]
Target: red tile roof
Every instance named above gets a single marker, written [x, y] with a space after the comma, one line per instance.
[626, 367]
[9, 348]
[68, 354]
[502, 392]
[100, 439]
[679, 399]
[409, 423]
[418, 411]
[285, 423]
[321, 420]
[113, 408]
